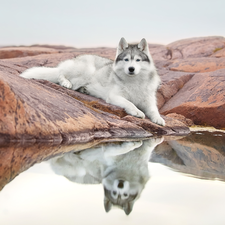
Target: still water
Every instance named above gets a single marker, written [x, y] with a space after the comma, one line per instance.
[177, 181]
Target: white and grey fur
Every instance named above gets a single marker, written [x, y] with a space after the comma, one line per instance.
[122, 168]
[131, 81]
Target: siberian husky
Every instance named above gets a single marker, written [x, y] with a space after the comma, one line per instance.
[131, 81]
[121, 168]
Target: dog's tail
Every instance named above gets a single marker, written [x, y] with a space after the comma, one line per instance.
[45, 73]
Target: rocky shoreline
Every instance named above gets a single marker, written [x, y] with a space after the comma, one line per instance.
[192, 92]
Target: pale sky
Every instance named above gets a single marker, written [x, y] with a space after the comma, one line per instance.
[91, 23]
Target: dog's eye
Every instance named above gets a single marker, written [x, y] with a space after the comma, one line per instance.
[138, 60]
[126, 60]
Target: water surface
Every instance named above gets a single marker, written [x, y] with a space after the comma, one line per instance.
[178, 181]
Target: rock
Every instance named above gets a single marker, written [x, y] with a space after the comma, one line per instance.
[60, 48]
[171, 84]
[201, 155]
[202, 99]
[173, 127]
[219, 53]
[201, 56]
[195, 47]
[18, 157]
[7, 67]
[49, 60]
[198, 65]
[31, 111]
[181, 118]
[159, 52]
[90, 101]
[14, 52]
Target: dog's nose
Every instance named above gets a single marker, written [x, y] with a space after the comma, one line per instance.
[131, 69]
[120, 184]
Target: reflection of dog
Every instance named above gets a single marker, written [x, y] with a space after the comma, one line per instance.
[123, 172]
[131, 81]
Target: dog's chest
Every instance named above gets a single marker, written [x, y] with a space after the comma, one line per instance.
[137, 92]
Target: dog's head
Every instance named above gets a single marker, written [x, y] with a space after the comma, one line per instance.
[121, 195]
[123, 192]
[132, 59]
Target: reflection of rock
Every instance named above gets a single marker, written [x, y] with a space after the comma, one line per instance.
[18, 157]
[121, 167]
[202, 155]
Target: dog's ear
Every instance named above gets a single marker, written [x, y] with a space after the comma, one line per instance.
[122, 46]
[143, 46]
[107, 204]
[127, 207]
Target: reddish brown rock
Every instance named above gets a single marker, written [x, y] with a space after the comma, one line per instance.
[14, 52]
[181, 118]
[198, 65]
[171, 84]
[202, 99]
[31, 111]
[195, 47]
[173, 127]
[175, 74]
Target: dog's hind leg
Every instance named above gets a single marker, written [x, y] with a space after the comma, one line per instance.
[64, 82]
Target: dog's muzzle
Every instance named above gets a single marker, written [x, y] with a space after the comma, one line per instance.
[131, 70]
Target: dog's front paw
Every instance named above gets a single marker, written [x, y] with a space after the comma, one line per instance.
[158, 120]
[137, 113]
[66, 84]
